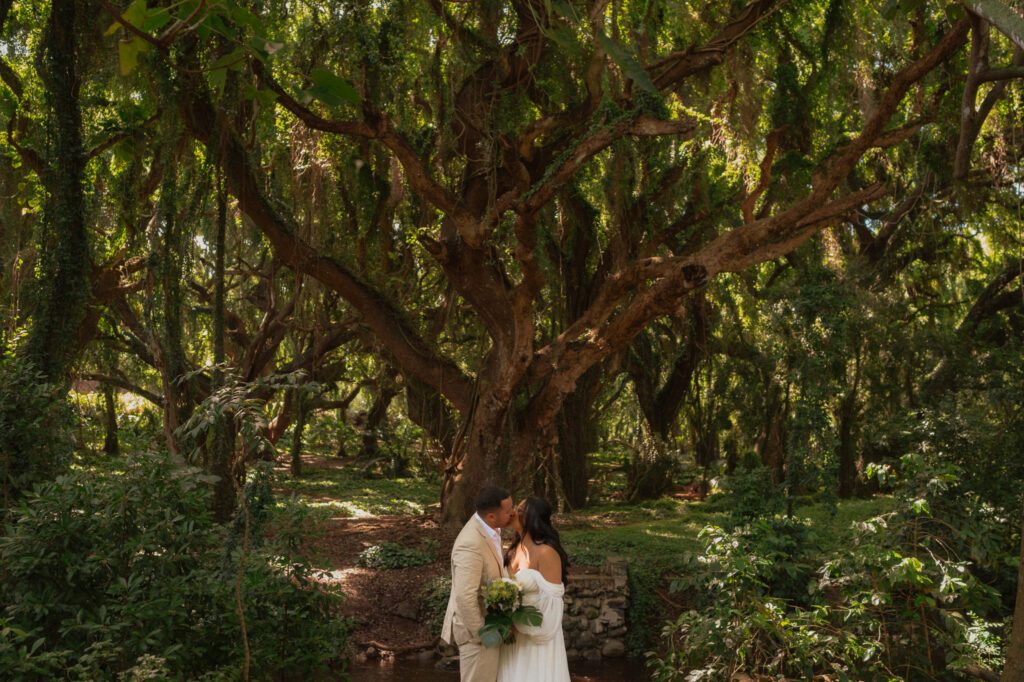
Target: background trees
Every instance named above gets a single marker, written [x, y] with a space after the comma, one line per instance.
[782, 234]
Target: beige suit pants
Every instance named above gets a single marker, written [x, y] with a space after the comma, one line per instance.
[477, 663]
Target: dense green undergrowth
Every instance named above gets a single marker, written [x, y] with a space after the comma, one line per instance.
[117, 571]
[904, 594]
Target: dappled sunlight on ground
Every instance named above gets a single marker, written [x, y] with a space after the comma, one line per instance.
[339, 484]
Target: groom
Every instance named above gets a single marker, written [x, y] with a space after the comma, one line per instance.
[476, 560]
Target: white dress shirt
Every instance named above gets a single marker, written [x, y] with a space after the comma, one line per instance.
[495, 536]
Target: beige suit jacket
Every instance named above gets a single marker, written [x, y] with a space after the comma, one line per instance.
[475, 562]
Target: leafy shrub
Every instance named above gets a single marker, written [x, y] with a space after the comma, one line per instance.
[105, 568]
[645, 608]
[904, 604]
[651, 471]
[35, 426]
[392, 555]
[434, 598]
[749, 494]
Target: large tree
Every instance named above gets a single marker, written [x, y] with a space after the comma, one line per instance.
[500, 116]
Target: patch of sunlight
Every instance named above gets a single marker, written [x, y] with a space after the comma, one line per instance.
[663, 534]
[328, 504]
[354, 510]
[340, 573]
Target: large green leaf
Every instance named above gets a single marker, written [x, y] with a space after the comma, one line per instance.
[156, 18]
[527, 615]
[629, 66]
[128, 52]
[330, 89]
[491, 636]
[135, 15]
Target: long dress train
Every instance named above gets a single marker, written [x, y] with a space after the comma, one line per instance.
[538, 654]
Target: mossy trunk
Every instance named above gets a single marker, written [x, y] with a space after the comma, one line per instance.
[64, 246]
[110, 443]
[301, 415]
[224, 432]
[1013, 670]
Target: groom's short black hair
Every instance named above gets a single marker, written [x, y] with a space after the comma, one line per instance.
[490, 498]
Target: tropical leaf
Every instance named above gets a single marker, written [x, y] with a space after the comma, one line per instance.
[128, 52]
[630, 66]
[331, 89]
[491, 636]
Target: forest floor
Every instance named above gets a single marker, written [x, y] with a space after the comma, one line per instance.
[388, 606]
[384, 605]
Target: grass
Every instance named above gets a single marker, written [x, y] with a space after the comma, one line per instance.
[662, 533]
[662, 543]
[343, 489]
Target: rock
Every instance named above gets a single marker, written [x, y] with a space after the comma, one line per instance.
[448, 663]
[586, 640]
[371, 652]
[406, 609]
[424, 656]
[447, 650]
[612, 618]
[597, 627]
[572, 654]
[617, 632]
[616, 566]
[613, 648]
[592, 655]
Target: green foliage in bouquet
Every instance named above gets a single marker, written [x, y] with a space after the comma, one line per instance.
[505, 608]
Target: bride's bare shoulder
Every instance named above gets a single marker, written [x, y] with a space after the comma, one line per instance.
[549, 564]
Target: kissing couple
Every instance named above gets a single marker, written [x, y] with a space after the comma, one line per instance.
[537, 562]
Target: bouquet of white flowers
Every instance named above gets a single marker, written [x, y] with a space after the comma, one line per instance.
[505, 607]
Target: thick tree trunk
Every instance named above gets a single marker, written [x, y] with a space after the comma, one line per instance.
[301, 414]
[847, 456]
[64, 257]
[484, 456]
[771, 442]
[1013, 670]
[375, 416]
[577, 438]
[110, 443]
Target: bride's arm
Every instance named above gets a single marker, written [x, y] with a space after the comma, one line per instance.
[549, 565]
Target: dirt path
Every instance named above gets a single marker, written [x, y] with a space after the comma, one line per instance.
[385, 604]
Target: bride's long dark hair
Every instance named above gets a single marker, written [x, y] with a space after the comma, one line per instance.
[536, 519]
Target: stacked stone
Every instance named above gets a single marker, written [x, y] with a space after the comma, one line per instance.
[594, 621]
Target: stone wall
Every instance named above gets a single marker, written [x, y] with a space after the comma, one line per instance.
[594, 621]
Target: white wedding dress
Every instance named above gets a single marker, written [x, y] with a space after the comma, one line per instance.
[538, 654]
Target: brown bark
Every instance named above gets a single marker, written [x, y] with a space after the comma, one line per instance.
[110, 443]
[302, 413]
[847, 455]
[387, 322]
[371, 422]
[577, 438]
[771, 441]
[1013, 669]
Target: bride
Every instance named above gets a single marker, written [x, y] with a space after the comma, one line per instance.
[536, 559]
